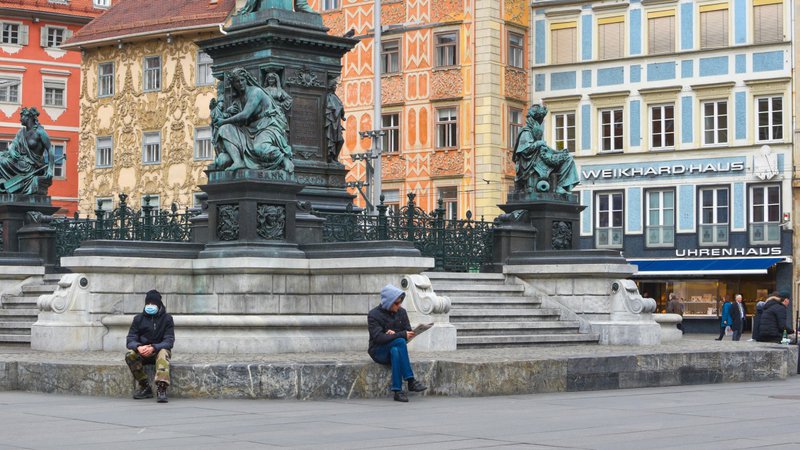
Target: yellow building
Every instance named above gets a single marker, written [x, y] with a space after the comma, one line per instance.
[145, 91]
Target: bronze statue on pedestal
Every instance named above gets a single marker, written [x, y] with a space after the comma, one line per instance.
[27, 165]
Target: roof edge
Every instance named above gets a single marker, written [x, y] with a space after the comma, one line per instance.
[76, 45]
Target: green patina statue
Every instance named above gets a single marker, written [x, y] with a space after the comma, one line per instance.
[258, 5]
[539, 167]
[252, 131]
[27, 165]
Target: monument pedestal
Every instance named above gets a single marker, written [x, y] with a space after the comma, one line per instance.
[554, 216]
[251, 213]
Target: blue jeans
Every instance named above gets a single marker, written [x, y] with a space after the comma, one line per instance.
[395, 354]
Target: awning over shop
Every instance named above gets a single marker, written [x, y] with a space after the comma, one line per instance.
[700, 267]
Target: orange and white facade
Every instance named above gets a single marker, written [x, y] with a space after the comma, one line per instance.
[454, 88]
[35, 72]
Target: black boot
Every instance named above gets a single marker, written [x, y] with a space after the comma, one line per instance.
[416, 386]
[144, 391]
[162, 392]
[400, 396]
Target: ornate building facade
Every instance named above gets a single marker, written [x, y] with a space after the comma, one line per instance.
[35, 71]
[454, 88]
[144, 94]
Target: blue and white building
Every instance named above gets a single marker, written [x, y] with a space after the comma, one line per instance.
[679, 115]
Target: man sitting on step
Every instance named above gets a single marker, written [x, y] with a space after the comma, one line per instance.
[389, 330]
[150, 340]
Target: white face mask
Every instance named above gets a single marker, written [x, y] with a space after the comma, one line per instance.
[151, 309]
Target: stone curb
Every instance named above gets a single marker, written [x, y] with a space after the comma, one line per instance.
[317, 380]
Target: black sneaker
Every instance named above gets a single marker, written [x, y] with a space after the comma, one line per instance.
[400, 396]
[416, 386]
[162, 392]
[144, 391]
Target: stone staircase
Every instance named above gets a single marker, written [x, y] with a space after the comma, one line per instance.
[487, 312]
[19, 312]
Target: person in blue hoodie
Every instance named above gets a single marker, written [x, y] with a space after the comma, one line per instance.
[389, 331]
[150, 340]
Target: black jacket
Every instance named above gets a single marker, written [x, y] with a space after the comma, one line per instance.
[380, 321]
[158, 330]
[773, 321]
[736, 317]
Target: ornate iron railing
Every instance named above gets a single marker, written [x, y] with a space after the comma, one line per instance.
[455, 245]
[123, 224]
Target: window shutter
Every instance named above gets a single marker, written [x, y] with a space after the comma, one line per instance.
[612, 40]
[565, 46]
[43, 36]
[714, 29]
[768, 23]
[23, 35]
[67, 34]
[661, 35]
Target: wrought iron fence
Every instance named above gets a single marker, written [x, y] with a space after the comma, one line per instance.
[455, 245]
[123, 224]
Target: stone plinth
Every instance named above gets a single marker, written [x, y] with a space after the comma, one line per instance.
[251, 213]
[223, 305]
[13, 209]
[555, 217]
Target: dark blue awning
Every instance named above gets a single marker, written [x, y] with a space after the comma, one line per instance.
[716, 266]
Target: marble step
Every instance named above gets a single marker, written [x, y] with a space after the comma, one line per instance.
[39, 289]
[15, 338]
[503, 315]
[500, 302]
[439, 278]
[15, 302]
[525, 340]
[15, 327]
[19, 314]
[516, 328]
[477, 290]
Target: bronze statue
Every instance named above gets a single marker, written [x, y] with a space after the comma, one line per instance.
[277, 93]
[252, 132]
[334, 115]
[27, 165]
[259, 5]
[539, 167]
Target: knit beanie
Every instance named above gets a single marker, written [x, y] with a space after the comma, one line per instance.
[153, 297]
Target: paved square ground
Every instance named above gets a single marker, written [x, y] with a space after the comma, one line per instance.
[723, 416]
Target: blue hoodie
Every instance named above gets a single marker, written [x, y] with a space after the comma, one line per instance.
[389, 295]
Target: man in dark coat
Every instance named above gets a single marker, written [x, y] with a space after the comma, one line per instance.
[389, 330]
[738, 317]
[149, 341]
[773, 319]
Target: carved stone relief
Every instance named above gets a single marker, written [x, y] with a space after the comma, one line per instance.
[447, 83]
[447, 163]
[271, 222]
[228, 222]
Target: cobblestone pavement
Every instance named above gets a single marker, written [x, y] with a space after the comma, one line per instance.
[694, 343]
[725, 416]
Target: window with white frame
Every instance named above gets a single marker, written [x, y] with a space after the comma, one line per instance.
[770, 118]
[660, 226]
[446, 49]
[608, 220]
[59, 148]
[714, 26]
[328, 5]
[564, 132]
[101, 3]
[9, 89]
[104, 151]
[13, 33]
[662, 126]
[611, 37]
[54, 93]
[390, 56]
[151, 147]
[202, 144]
[515, 125]
[153, 201]
[204, 75]
[390, 125]
[661, 32]
[611, 129]
[765, 214]
[516, 50]
[768, 22]
[152, 73]
[105, 79]
[105, 204]
[715, 122]
[391, 198]
[449, 196]
[446, 128]
[714, 209]
[54, 36]
[563, 43]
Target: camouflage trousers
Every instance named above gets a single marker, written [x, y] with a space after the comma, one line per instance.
[136, 363]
